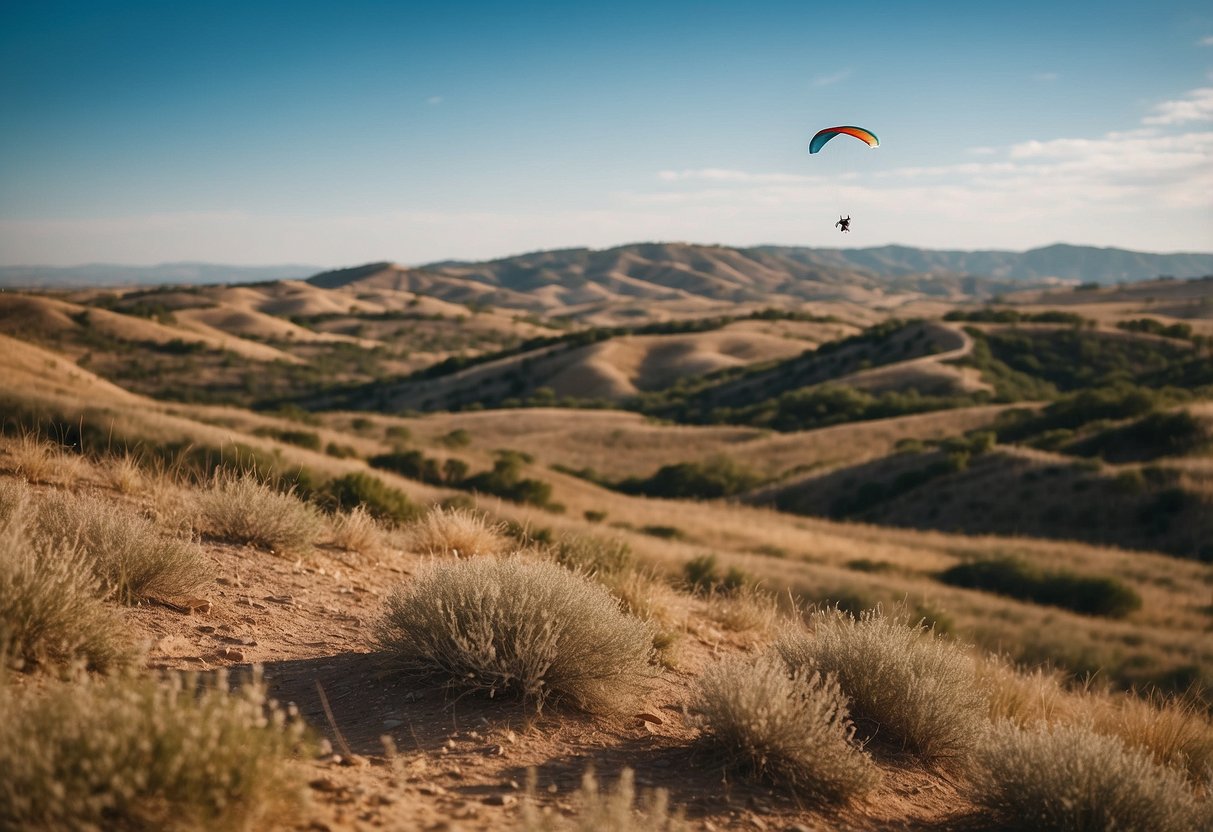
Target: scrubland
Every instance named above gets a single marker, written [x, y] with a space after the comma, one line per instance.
[213, 617]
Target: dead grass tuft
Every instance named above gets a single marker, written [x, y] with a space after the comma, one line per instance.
[789, 728]
[615, 810]
[747, 610]
[1024, 697]
[33, 457]
[243, 508]
[592, 554]
[525, 627]
[457, 531]
[1174, 732]
[129, 555]
[141, 754]
[358, 531]
[123, 474]
[1070, 778]
[50, 612]
[905, 683]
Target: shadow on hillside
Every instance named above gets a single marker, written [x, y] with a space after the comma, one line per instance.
[369, 698]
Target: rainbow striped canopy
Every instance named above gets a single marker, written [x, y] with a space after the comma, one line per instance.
[823, 136]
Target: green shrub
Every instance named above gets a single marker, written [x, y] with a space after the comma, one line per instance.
[360, 489]
[911, 686]
[458, 438]
[1014, 578]
[790, 728]
[718, 476]
[341, 451]
[506, 481]
[303, 438]
[1069, 778]
[513, 626]
[412, 464]
[141, 754]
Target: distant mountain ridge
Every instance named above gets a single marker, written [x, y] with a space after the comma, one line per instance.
[665, 271]
[689, 279]
[1058, 261]
[110, 274]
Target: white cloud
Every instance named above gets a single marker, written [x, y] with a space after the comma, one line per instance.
[832, 78]
[1207, 40]
[434, 99]
[1147, 187]
[1045, 76]
[1197, 105]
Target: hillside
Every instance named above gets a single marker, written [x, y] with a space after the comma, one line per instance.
[273, 550]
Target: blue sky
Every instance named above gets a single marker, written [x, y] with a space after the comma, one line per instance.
[338, 133]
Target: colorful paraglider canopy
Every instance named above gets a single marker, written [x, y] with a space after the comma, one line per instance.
[823, 136]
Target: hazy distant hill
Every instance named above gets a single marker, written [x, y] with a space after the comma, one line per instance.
[545, 280]
[762, 264]
[685, 279]
[107, 274]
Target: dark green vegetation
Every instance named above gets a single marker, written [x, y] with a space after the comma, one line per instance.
[1011, 577]
[505, 479]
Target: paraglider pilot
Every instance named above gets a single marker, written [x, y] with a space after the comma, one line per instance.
[844, 223]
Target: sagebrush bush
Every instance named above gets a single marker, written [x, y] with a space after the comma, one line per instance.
[457, 531]
[616, 810]
[137, 753]
[1067, 777]
[788, 727]
[50, 610]
[243, 508]
[130, 556]
[906, 684]
[530, 628]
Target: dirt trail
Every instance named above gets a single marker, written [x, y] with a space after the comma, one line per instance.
[461, 762]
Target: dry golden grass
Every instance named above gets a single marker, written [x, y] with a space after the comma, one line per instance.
[906, 684]
[123, 474]
[128, 553]
[1024, 697]
[50, 610]
[512, 626]
[39, 460]
[788, 727]
[615, 810]
[747, 610]
[617, 444]
[1174, 732]
[457, 531]
[136, 753]
[243, 508]
[1070, 778]
[357, 531]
